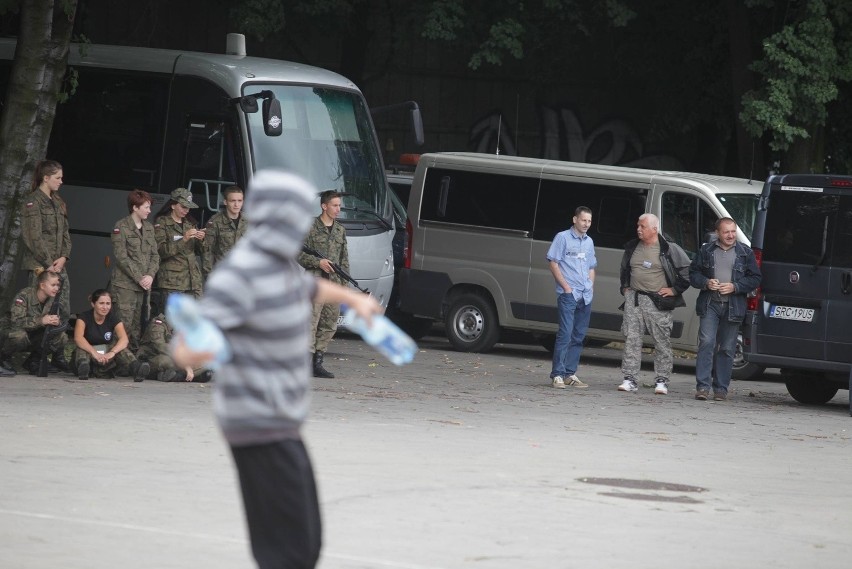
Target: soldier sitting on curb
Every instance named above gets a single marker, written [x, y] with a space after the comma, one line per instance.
[154, 349]
[29, 319]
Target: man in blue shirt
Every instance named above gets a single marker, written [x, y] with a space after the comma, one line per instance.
[572, 262]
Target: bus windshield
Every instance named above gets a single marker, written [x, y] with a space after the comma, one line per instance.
[327, 139]
[742, 208]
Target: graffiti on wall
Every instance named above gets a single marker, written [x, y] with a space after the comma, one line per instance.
[614, 142]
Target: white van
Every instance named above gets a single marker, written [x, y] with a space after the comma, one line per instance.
[479, 227]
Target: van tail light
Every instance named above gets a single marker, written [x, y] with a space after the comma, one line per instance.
[753, 298]
[409, 238]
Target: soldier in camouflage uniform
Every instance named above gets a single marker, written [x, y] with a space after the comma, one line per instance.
[155, 351]
[179, 243]
[45, 235]
[224, 229]
[134, 249]
[28, 320]
[652, 269]
[327, 236]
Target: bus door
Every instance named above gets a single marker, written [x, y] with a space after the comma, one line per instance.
[209, 163]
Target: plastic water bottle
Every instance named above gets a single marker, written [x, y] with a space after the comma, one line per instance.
[383, 335]
[200, 333]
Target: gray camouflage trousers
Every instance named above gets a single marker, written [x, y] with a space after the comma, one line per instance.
[658, 323]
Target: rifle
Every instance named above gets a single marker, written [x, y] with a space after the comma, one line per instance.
[146, 310]
[336, 268]
[50, 331]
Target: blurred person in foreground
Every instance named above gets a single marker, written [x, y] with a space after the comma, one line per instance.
[262, 301]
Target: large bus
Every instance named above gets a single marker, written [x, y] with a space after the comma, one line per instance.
[158, 119]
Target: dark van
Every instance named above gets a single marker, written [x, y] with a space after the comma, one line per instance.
[801, 318]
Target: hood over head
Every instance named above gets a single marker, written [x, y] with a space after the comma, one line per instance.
[281, 207]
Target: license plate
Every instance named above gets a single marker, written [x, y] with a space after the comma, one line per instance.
[791, 313]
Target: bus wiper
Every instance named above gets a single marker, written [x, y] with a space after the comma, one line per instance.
[387, 225]
[824, 246]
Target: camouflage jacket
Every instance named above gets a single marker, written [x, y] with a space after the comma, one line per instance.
[155, 340]
[332, 244]
[26, 312]
[44, 230]
[179, 268]
[221, 234]
[135, 253]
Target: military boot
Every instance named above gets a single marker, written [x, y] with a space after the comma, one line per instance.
[59, 362]
[139, 370]
[6, 367]
[320, 371]
[32, 362]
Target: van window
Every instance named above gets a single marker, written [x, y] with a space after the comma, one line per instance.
[800, 227]
[483, 200]
[614, 211]
[686, 220]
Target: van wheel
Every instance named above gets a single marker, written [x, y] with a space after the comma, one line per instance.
[810, 389]
[742, 369]
[471, 324]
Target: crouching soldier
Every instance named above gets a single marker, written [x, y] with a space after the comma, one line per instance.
[29, 321]
[102, 342]
[154, 349]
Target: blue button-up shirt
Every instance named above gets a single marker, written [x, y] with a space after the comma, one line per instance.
[575, 255]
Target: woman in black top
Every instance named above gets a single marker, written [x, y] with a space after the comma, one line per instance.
[102, 342]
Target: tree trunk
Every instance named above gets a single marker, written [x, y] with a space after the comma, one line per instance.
[806, 155]
[41, 58]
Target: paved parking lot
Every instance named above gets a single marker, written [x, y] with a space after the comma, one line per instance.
[459, 460]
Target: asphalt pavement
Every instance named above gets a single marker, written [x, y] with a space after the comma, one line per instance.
[458, 460]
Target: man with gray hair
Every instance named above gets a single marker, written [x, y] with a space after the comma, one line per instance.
[654, 274]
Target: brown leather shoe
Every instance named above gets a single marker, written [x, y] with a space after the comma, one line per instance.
[701, 395]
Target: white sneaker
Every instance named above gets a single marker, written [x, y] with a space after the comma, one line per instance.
[558, 382]
[574, 381]
[628, 385]
[661, 388]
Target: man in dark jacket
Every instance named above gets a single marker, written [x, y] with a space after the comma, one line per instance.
[653, 277]
[725, 271]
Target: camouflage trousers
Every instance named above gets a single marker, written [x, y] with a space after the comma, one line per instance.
[323, 325]
[23, 341]
[64, 294]
[129, 304]
[637, 321]
[119, 365]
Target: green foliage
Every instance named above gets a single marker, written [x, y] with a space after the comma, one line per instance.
[261, 18]
[497, 30]
[801, 66]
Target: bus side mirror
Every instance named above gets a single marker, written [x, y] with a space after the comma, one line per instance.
[272, 124]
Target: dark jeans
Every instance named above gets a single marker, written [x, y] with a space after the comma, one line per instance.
[717, 343]
[573, 322]
[280, 499]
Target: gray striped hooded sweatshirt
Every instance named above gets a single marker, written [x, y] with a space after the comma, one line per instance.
[261, 299]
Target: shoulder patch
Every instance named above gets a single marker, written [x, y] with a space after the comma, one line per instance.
[19, 300]
[30, 204]
[116, 231]
[157, 321]
[210, 223]
[156, 225]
